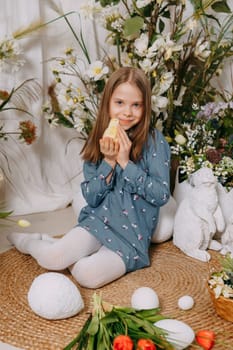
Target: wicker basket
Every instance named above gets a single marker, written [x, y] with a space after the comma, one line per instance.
[223, 306]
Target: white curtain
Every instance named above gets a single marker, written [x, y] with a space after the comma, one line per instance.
[45, 175]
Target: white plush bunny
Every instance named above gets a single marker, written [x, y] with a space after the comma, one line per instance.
[199, 217]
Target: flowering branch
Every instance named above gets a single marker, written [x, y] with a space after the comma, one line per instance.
[20, 97]
[182, 55]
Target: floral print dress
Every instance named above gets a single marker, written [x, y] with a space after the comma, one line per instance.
[123, 214]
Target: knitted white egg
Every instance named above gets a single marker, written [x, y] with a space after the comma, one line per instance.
[144, 298]
[179, 334]
[186, 302]
[54, 296]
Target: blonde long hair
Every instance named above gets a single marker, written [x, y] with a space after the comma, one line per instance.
[139, 133]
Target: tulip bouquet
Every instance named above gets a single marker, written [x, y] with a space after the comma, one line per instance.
[111, 327]
[116, 327]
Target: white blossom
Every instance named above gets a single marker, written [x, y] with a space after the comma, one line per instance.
[97, 70]
[201, 50]
[142, 3]
[158, 45]
[179, 100]
[170, 47]
[159, 103]
[147, 65]
[191, 24]
[180, 139]
[10, 56]
[165, 82]
[141, 45]
[89, 9]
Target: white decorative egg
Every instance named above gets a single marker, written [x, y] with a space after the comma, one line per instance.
[54, 296]
[186, 302]
[179, 334]
[144, 298]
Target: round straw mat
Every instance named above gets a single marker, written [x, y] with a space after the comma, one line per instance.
[172, 274]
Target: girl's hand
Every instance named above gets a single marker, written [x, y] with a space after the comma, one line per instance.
[125, 147]
[109, 148]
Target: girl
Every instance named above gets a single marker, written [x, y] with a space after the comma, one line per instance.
[126, 182]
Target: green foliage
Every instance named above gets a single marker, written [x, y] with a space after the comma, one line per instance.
[108, 321]
[181, 49]
[133, 26]
[4, 215]
[227, 263]
[221, 6]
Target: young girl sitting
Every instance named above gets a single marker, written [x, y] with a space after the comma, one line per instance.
[126, 181]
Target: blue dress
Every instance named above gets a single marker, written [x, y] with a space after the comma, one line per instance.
[123, 214]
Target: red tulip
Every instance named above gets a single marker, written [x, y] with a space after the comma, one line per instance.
[122, 342]
[145, 344]
[205, 338]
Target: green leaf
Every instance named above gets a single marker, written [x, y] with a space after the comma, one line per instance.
[221, 6]
[80, 335]
[91, 343]
[147, 313]
[161, 26]
[109, 318]
[155, 318]
[93, 326]
[227, 262]
[5, 214]
[126, 309]
[104, 3]
[100, 84]
[99, 337]
[166, 14]
[133, 25]
[63, 120]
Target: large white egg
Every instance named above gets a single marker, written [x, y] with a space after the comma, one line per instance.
[179, 334]
[144, 298]
[54, 296]
[186, 302]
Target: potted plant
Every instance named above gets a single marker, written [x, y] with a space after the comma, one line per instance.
[220, 286]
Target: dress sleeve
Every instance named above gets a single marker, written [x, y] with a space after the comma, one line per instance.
[94, 187]
[152, 180]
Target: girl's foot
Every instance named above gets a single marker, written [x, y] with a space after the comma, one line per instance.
[48, 237]
[19, 240]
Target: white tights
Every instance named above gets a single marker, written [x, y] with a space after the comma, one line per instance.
[91, 264]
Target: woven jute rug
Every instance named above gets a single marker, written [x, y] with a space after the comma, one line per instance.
[171, 274]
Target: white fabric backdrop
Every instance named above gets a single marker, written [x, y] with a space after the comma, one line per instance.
[43, 176]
